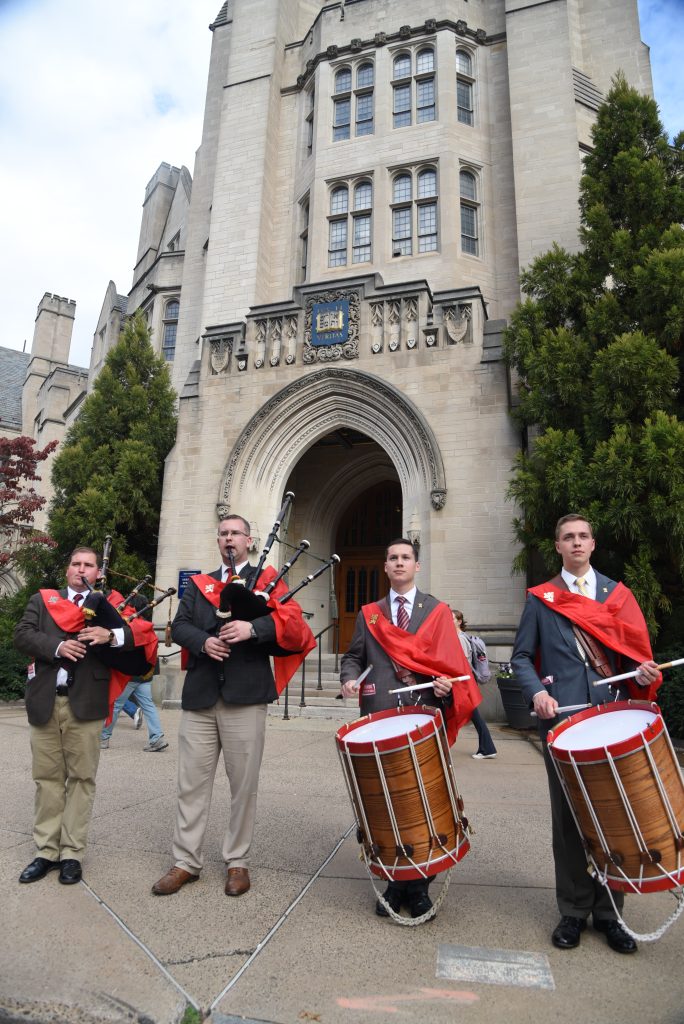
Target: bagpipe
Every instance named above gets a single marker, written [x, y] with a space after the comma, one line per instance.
[240, 600]
[112, 611]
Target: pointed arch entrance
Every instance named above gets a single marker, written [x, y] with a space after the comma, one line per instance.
[330, 436]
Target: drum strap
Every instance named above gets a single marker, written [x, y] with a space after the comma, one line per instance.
[593, 651]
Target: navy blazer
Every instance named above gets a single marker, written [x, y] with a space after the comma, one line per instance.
[246, 677]
[544, 632]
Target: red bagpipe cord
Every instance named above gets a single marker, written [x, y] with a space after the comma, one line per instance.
[292, 632]
[69, 617]
[618, 623]
[434, 650]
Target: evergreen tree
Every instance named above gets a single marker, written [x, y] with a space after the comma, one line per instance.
[597, 346]
[108, 476]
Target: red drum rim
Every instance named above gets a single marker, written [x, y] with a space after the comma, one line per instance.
[658, 883]
[616, 749]
[407, 873]
[390, 743]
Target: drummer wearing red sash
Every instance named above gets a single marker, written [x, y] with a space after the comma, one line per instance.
[67, 702]
[228, 685]
[408, 637]
[575, 630]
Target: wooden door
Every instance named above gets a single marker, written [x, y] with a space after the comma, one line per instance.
[362, 579]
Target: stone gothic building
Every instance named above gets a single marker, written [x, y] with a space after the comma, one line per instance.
[332, 284]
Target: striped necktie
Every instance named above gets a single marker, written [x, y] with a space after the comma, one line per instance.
[581, 584]
[402, 614]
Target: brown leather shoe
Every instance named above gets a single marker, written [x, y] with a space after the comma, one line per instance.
[174, 879]
[237, 881]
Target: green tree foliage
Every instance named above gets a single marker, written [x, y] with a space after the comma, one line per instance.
[108, 476]
[597, 345]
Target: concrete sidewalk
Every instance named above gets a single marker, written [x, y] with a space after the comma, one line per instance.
[304, 944]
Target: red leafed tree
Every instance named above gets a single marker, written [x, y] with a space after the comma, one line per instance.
[19, 501]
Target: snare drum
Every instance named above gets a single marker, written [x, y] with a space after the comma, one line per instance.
[620, 774]
[401, 784]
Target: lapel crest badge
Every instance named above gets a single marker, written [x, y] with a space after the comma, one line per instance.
[605, 590]
[209, 588]
[420, 606]
[548, 596]
[373, 619]
[53, 600]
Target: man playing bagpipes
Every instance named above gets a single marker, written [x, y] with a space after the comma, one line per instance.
[228, 685]
[72, 684]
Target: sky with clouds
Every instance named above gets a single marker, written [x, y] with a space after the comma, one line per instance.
[94, 95]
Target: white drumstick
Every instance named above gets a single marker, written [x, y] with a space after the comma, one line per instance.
[362, 677]
[631, 675]
[568, 707]
[426, 686]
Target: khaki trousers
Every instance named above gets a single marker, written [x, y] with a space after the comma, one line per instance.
[239, 731]
[66, 753]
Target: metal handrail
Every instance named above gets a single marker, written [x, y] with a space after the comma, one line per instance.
[319, 686]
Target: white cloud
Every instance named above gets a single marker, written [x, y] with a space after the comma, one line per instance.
[95, 96]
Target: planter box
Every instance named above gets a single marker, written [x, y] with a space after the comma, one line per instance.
[517, 710]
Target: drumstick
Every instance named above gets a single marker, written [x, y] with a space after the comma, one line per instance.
[630, 675]
[362, 677]
[568, 707]
[425, 686]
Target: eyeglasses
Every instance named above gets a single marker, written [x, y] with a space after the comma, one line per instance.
[232, 533]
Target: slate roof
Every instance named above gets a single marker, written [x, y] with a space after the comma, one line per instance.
[13, 366]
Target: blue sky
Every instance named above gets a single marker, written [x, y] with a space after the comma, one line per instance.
[94, 95]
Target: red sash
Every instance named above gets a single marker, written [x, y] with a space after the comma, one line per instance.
[69, 617]
[617, 622]
[434, 650]
[292, 632]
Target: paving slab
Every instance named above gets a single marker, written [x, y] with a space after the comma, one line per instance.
[304, 944]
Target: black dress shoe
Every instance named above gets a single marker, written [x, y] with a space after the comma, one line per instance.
[617, 937]
[393, 897]
[419, 903]
[38, 868]
[70, 872]
[566, 934]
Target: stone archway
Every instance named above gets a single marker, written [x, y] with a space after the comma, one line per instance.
[312, 406]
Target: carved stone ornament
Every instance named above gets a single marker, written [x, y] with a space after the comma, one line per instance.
[394, 345]
[411, 307]
[410, 343]
[376, 311]
[461, 27]
[431, 25]
[394, 315]
[220, 352]
[332, 51]
[438, 499]
[376, 347]
[222, 510]
[481, 35]
[290, 358]
[380, 38]
[258, 363]
[431, 338]
[331, 353]
[405, 31]
[457, 323]
[242, 363]
[356, 45]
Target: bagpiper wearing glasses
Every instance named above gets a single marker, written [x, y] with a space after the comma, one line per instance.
[228, 685]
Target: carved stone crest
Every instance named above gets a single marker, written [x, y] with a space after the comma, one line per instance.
[438, 499]
[331, 353]
[220, 351]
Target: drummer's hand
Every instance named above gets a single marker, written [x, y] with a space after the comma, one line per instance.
[350, 688]
[544, 705]
[216, 649]
[235, 632]
[648, 672]
[442, 686]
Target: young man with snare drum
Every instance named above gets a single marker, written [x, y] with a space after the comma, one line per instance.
[557, 660]
[380, 641]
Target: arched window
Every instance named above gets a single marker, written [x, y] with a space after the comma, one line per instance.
[470, 242]
[170, 329]
[465, 84]
[342, 105]
[414, 218]
[413, 87]
[365, 75]
[340, 230]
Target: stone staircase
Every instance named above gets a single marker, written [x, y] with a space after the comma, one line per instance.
[317, 703]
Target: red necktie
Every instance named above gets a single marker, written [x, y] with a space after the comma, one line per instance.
[77, 598]
[402, 614]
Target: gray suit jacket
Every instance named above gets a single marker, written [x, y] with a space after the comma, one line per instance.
[364, 650]
[544, 632]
